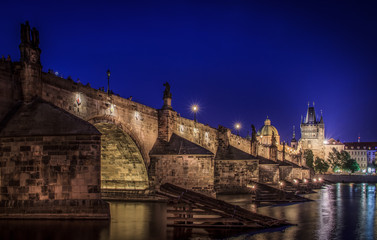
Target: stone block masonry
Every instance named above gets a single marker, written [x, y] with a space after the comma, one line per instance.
[50, 168]
[51, 176]
[193, 172]
[50, 165]
[232, 176]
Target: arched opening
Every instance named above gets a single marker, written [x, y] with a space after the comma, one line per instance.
[122, 164]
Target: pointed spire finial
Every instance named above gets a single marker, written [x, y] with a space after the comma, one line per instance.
[313, 103]
[294, 132]
[308, 104]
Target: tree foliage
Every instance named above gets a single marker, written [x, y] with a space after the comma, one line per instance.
[334, 159]
[309, 158]
[320, 165]
[342, 160]
[351, 165]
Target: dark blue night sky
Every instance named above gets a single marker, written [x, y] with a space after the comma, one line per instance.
[239, 60]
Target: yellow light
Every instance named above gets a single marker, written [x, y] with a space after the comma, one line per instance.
[237, 126]
[194, 108]
[305, 181]
[319, 179]
[315, 180]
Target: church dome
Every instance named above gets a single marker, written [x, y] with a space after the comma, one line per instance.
[267, 129]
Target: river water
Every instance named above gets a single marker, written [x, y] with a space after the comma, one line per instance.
[339, 211]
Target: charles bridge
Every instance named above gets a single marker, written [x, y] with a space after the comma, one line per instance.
[63, 143]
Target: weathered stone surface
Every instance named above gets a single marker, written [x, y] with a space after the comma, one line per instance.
[232, 176]
[49, 158]
[184, 164]
[122, 165]
[268, 171]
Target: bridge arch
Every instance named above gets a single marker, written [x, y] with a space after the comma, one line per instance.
[122, 162]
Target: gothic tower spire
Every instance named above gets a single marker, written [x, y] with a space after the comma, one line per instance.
[31, 72]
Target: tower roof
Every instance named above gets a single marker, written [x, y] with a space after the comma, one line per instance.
[310, 116]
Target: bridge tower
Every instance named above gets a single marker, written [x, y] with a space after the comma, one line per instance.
[31, 68]
[312, 133]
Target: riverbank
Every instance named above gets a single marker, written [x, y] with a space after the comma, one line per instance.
[335, 178]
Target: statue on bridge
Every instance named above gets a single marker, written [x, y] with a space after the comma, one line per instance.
[167, 93]
[254, 141]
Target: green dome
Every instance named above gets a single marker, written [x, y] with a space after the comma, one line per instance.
[267, 129]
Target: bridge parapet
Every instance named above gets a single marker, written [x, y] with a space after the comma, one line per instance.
[138, 120]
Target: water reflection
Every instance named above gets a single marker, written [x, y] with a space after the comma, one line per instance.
[340, 211]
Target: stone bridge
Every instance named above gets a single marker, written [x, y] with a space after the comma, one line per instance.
[142, 147]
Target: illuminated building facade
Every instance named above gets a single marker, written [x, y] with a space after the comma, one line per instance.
[364, 153]
[312, 133]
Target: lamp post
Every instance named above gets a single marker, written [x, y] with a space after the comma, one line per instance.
[237, 126]
[194, 109]
[108, 82]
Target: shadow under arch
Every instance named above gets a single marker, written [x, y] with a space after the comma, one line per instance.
[122, 163]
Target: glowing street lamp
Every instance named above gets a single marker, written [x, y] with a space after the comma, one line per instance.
[195, 109]
[237, 126]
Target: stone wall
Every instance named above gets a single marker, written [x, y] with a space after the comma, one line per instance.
[297, 173]
[50, 168]
[305, 173]
[122, 165]
[138, 120]
[286, 173]
[240, 143]
[51, 177]
[232, 176]
[194, 172]
[269, 173]
[195, 132]
[38, 173]
[10, 90]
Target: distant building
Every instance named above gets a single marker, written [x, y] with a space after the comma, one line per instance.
[330, 144]
[364, 153]
[266, 132]
[312, 133]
